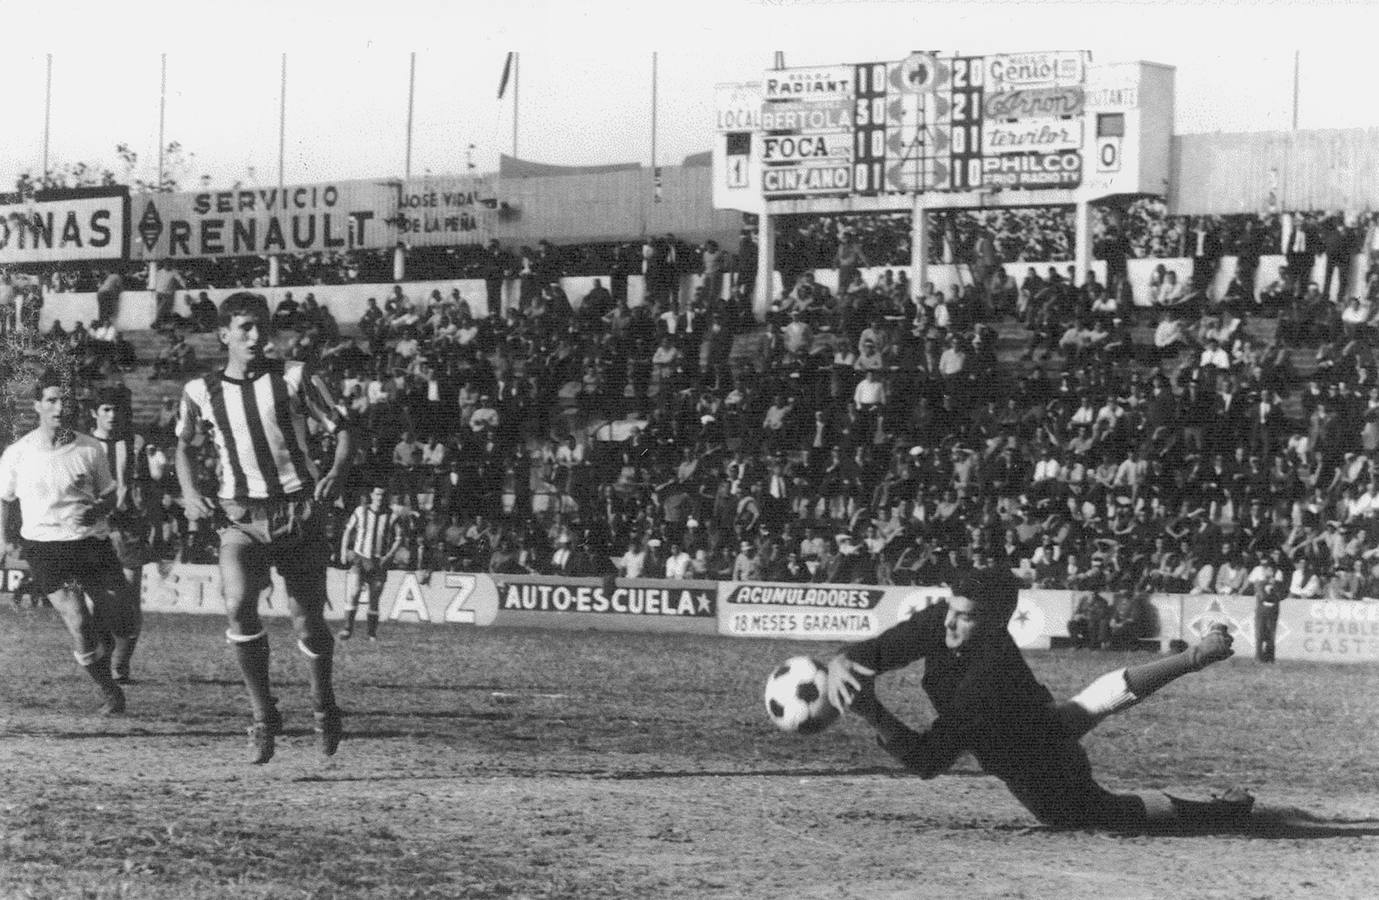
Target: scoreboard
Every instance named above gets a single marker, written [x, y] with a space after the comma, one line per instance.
[925, 123]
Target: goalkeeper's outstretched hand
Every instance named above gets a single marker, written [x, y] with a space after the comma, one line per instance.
[842, 680]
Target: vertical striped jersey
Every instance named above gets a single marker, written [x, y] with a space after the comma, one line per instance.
[124, 456]
[369, 532]
[259, 425]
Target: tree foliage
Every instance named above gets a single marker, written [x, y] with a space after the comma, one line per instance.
[178, 165]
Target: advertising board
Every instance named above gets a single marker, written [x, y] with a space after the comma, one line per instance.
[818, 612]
[340, 215]
[1330, 631]
[809, 83]
[82, 226]
[442, 211]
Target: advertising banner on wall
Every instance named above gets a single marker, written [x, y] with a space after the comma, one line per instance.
[818, 612]
[1344, 631]
[327, 216]
[623, 605]
[442, 211]
[1332, 631]
[66, 226]
[438, 598]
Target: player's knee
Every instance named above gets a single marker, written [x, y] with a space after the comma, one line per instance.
[1105, 696]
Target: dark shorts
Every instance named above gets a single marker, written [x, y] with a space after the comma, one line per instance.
[1063, 794]
[90, 563]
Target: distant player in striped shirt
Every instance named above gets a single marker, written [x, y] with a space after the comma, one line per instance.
[270, 496]
[124, 455]
[371, 538]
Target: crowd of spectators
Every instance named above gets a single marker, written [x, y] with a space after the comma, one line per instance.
[872, 436]
[1043, 234]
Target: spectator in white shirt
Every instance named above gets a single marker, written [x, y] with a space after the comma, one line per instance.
[870, 392]
[1305, 584]
[953, 361]
[1215, 356]
[1204, 582]
[1230, 576]
[797, 336]
[678, 563]
[1048, 468]
[630, 564]
[1085, 414]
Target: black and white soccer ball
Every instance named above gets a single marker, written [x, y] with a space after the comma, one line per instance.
[797, 696]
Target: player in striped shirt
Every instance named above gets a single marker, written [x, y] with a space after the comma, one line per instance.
[65, 493]
[124, 456]
[371, 538]
[270, 502]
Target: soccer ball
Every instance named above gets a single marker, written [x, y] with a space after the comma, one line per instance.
[796, 696]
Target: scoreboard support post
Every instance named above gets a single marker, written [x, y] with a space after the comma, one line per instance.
[1082, 238]
[766, 266]
[919, 245]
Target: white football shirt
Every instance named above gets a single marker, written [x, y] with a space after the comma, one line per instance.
[54, 487]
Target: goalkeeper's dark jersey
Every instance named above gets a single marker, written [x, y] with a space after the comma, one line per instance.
[987, 699]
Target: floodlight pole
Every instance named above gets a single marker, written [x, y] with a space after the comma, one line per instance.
[162, 110]
[47, 117]
[919, 245]
[411, 96]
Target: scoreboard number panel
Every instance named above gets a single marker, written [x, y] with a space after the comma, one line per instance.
[968, 94]
[871, 123]
[923, 124]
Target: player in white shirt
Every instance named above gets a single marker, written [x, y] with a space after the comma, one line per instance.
[65, 493]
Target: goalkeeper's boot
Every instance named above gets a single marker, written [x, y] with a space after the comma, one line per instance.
[1227, 809]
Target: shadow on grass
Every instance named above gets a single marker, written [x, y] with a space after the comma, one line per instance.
[123, 733]
[1266, 823]
[751, 773]
[430, 714]
[606, 775]
[1291, 823]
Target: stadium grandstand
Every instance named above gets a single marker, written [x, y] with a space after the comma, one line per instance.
[617, 390]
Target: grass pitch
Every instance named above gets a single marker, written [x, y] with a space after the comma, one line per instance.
[523, 763]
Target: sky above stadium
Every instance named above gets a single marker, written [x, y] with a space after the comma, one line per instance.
[585, 83]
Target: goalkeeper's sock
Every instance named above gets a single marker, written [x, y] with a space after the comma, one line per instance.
[1145, 679]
